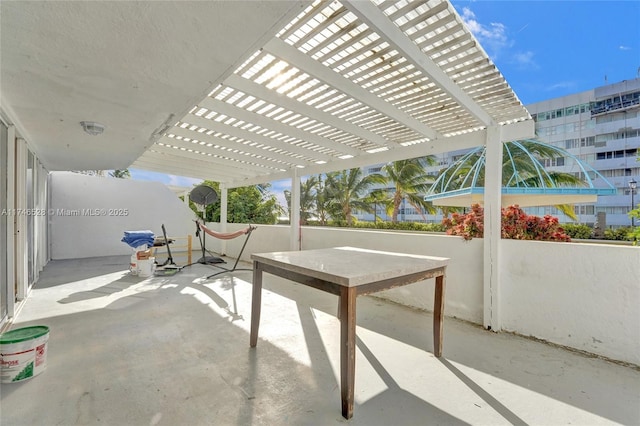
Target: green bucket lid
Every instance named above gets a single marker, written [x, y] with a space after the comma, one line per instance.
[23, 334]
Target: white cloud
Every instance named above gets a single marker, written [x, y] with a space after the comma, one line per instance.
[623, 47]
[561, 85]
[525, 59]
[167, 179]
[182, 181]
[492, 37]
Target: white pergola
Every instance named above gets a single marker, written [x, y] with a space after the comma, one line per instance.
[348, 84]
[250, 92]
[344, 84]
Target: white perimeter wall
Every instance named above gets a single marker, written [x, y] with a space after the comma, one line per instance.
[464, 274]
[149, 205]
[584, 296]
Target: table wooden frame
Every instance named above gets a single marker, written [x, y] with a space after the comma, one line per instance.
[347, 312]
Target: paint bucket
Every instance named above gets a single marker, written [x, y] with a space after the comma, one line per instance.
[133, 264]
[23, 353]
[146, 267]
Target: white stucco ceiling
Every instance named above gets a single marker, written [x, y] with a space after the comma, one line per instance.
[129, 65]
[249, 91]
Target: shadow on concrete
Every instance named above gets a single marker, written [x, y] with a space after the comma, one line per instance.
[58, 272]
[177, 351]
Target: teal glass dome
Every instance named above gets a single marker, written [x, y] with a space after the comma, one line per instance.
[525, 179]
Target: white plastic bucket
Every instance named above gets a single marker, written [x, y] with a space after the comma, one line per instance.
[133, 264]
[146, 267]
[23, 353]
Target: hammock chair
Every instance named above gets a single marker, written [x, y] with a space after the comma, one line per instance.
[229, 236]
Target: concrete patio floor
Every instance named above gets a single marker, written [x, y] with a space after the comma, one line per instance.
[124, 350]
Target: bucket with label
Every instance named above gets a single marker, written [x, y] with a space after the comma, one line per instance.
[146, 267]
[133, 264]
[23, 353]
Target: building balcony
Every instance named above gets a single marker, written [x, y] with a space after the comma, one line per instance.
[173, 350]
[126, 350]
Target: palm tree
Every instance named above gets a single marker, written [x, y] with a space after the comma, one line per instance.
[308, 190]
[120, 174]
[346, 191]
[410, 182]
[322, 202]
[379, 197]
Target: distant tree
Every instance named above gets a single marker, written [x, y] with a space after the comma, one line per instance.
[322, 202]
[346, 191]
[249, 204]
[120, 174]
[410, 182]
[379, 197]
[308, 190]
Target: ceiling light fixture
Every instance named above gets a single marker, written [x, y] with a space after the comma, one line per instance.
[92, 127]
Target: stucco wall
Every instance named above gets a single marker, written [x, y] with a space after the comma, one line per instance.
[464, 292]
[88, 215]
[266, 238]
[586, 296]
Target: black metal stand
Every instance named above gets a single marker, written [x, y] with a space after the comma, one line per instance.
[225, 270]
[205, 260]
[169, 260]
[169, 267]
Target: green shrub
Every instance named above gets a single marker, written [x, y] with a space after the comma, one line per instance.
[578, 230]
[399, 226]
[618, 234]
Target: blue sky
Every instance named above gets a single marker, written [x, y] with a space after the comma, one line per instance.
[544, 49]
[549, 49]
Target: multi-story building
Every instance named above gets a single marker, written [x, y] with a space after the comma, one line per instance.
[601, 127]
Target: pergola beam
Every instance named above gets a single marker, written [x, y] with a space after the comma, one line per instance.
[221, 164]
[286, 102]
[295, 57]
[268, 123]
[270, 158]
[153, 164]
[369, 13]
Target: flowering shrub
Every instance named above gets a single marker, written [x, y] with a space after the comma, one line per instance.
[516, 225]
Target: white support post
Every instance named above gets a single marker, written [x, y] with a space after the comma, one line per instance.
[492, 228]
[223, 216]
[295, 243]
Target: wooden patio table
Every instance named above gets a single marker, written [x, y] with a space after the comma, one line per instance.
[349, 272]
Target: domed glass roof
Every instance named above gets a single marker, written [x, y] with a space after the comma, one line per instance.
[525, 179]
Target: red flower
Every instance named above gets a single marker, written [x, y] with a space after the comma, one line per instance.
[516, 224]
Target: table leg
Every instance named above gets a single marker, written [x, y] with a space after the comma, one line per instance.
[438, 314]
[347, 349]
[256, 300]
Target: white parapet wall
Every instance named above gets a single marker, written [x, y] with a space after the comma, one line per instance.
[88, 215]
[464, 291]
[583, 296]
[264, 239]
